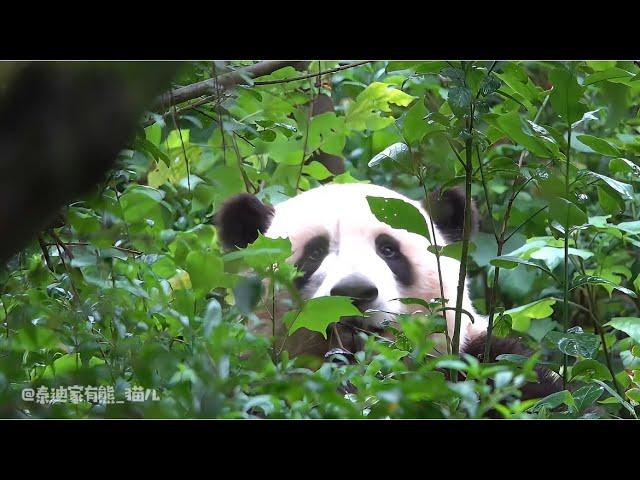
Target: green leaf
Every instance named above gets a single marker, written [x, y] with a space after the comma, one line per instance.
[451, 250]
[317, 170]
[554, 256]
[318, 313]
[459, 99]
[566, 94]
[212, 317]
[566, 213]
[399, 214]
[628, 325]
[590, 369]
[398, 153]
[142, 204]
[247, 293]
[364, 113]
[575, 342]
[327, 132]
[510, 262]
[206, 271]
[600, 65]
[633, 394]
[555, 400]
[624, 166]
[624, 190]
[489, 85]
[582, 280]
[456, 75]
[263, 253]
[586, 396]
[607, 74]
[153, 134]
[599, 145]
[521, 316]
[415, 126]
[512, 125]
[614, 394]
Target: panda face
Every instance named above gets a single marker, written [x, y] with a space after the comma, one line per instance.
[343, 249]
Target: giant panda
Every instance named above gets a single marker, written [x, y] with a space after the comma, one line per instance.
[341, 248]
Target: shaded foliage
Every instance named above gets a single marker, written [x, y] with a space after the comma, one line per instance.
[133, 288]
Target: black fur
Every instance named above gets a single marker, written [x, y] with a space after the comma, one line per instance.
[241, 218]
[398, 264]
[312, 257]
[447, 211]
[547, 382]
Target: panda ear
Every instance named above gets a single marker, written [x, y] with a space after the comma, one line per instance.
[447, 211]
[240, 219]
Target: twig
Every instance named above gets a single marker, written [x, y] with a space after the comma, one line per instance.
[310, 75]
[86, 244]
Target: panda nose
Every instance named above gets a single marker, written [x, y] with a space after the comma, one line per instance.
[356, 286]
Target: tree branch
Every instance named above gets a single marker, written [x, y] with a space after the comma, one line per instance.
[224, 82]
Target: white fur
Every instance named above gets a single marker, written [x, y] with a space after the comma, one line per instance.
[341, 212]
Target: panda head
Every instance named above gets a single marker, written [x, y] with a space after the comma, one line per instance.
[341, 248]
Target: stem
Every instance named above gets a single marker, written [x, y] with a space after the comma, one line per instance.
[306, 136]
[591, 300]
[437, 253]
[466, 235]
[184, 150]
[565, 310]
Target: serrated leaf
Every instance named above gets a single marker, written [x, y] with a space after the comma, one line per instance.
[206, 270]
[364, 113]
[263, 253]
[318, 313]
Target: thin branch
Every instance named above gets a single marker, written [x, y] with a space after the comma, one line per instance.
[86, 244]
[310, 75]
[525, 222]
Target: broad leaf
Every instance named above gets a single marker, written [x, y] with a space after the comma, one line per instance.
[318, 313]
[399, 214]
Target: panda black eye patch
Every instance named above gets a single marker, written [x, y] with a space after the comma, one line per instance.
[313, 254]
[388, 249]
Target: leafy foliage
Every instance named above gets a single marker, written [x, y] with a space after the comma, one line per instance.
[135, 290]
